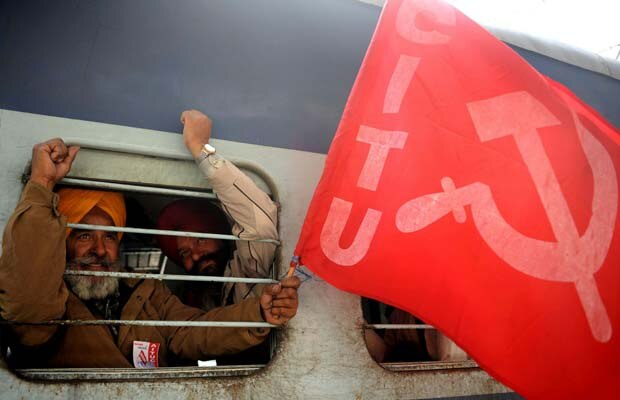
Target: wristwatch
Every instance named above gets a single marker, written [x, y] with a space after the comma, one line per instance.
[205, 152]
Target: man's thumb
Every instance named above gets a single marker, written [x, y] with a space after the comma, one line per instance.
[72, 152]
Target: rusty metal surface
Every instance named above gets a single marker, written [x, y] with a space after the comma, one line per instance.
[129, 374]
[428, 365]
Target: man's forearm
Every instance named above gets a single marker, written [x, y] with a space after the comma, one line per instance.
[191, 342]
[249, 206]
[255, 217]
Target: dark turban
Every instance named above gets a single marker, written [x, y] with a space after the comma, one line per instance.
[191, 215]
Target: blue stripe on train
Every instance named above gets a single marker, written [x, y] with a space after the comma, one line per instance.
[276, 72]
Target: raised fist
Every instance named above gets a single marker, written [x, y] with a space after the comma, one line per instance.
[196, 130]
[51, 161]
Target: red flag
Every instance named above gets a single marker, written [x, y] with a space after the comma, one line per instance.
[466, 188]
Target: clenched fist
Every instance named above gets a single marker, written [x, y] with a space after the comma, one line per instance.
[279, 302]
[196, 130]
[51, 161]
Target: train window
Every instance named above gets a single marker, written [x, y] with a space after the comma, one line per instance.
[142, 259]
[399, 341]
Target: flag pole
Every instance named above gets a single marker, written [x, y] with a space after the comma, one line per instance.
[291, 269]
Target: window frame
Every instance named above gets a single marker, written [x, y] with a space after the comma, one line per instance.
[132, 374]
[412, 366]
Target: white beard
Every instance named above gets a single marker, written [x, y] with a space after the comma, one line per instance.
[87, 289]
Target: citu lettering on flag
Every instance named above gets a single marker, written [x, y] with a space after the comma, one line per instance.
[444, 119]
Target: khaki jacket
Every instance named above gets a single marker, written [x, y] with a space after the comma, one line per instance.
[254, 215]
[32, 289]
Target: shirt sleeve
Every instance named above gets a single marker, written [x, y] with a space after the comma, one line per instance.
[195, 343]
[255, 216]
[32, 265]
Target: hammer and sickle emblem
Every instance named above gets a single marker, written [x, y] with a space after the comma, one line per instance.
[572, 258]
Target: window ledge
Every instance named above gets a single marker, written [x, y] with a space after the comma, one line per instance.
[428, 365]
[124, 374]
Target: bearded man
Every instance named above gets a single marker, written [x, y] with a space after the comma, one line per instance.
[205, 257]
[37, 248]
[252, 213]
[86, 251]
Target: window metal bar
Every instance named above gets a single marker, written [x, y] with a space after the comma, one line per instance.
[194, 324]
[170, 154]
[129, 148]
[135, 188]
[169, 277]
[142, 269]
[163, 265]
[107, 228]
[398, 326]
[174, 154]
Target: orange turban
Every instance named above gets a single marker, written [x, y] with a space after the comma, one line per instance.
[76, 203]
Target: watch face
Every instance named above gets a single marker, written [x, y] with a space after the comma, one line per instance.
[209, 149]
